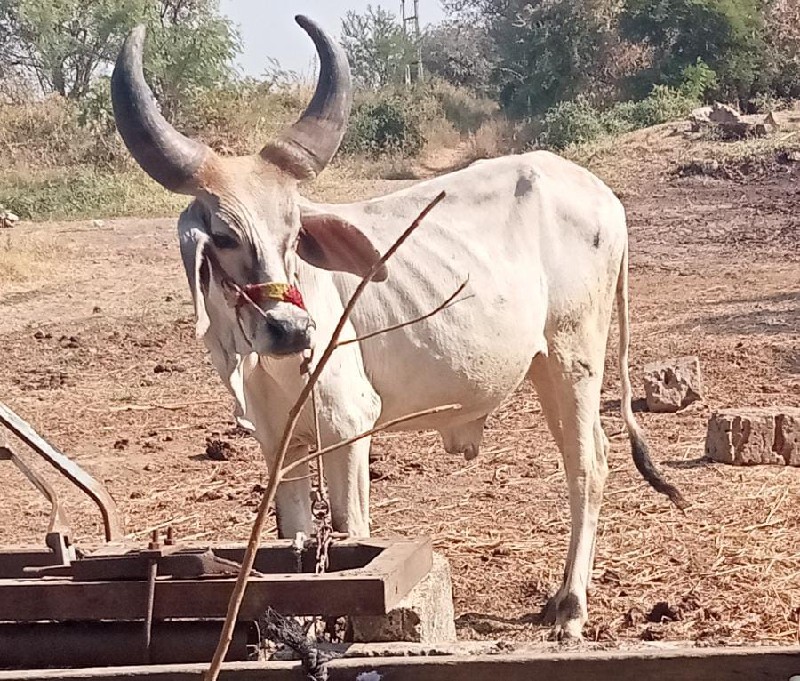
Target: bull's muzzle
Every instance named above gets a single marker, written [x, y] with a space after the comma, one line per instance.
[288, 331]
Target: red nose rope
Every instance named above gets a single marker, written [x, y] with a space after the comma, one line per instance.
[261, 293]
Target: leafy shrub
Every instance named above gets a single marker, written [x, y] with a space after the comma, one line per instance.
[577, 121]
[697, 80]
[726, 35]
[571, 122]
[621, 118]
[85, 192]
[238, 118]
[764, 102]
[385, 124]
[44, 133]
[663, 104]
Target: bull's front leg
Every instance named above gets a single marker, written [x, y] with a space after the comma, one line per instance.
[347, 473]
[293, 496]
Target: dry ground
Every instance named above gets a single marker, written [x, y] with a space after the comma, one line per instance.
[98, 353]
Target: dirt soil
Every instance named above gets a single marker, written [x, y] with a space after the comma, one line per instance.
[99, 355]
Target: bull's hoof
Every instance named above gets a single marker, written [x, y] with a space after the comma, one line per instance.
[570, 633]
[564, 614]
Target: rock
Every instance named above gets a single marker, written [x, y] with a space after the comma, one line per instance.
[787, 436]
[699, 118]
[756, 435]
[730, 124]
[672, 384]
[722, 113]
[7, 218]
[770, 119]
[425, 615]
[701, 114]
[763, 130]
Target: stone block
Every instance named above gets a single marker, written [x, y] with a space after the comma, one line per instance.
[723, 113]
[672, 384]
[425, 615]
[787, 436]
[756, 435]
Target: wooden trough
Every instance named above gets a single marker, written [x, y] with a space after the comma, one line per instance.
[94, 612]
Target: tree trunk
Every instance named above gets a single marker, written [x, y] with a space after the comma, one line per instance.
[59, 81]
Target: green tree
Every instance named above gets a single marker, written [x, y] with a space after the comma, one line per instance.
[461, 53]
[377, 47]
[192, 48]
[545, 51]
[65, 45]
[62, 44]
[727, 35]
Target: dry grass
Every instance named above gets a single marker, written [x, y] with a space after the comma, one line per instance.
[655, 153]
[498, 136]
[23, 257]
[720, 573]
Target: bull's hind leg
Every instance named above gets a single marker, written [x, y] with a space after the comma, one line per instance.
[569, 385]
[539, 375]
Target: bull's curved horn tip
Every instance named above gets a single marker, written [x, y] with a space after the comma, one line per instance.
[136, 36]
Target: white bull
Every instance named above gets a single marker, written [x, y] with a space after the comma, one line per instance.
[543, 242]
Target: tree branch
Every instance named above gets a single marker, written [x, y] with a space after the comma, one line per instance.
[248, 560]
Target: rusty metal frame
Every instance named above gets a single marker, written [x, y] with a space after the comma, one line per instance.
[59, 535]
[112, 524]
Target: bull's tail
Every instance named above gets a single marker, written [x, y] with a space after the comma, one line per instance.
[641, 455]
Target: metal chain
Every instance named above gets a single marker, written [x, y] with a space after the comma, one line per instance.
[320, 505]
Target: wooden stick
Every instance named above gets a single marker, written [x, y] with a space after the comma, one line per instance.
[248, 560]
[367, 433]
[416, 320]
[148, 407]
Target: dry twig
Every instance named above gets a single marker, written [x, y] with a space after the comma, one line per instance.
[368, 433]
[447, 303]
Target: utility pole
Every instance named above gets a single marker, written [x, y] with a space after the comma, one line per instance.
[409, 11]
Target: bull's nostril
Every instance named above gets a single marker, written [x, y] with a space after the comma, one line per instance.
[277, 328]
[288, 335]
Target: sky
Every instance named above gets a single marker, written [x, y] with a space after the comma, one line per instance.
[268, 29]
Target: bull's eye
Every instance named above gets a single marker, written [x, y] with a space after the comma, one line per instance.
[224, 241]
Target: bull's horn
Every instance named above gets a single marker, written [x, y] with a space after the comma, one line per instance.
[170, 158]
[306, 147]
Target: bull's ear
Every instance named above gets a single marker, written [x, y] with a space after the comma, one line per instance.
[193, 239]
[331, 243]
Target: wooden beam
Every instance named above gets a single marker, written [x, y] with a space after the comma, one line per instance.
[370, 589]
[31, 600]
[690, 664]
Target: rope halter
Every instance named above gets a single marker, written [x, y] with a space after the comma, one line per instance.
[261, 293]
